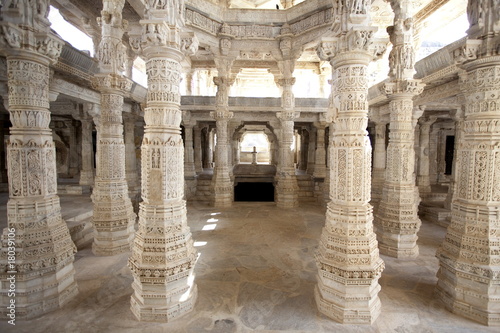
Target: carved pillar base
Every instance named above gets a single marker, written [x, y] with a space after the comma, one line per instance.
[287, 192]
[162, 264]
[87, 177]
[113, 219]
[43, 277]
[223, 190]
[398, 222]
[348, 293]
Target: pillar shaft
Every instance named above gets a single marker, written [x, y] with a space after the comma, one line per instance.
[221, 181]
[87, 168]
[348, 260]
[379, 158]
[189, 167]
[423, 180]
[198, 163]
[286, 180]
[37, 252]
[320, 156]
[163, 256]
[131, 173]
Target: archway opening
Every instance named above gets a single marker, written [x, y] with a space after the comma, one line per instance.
[255, 148]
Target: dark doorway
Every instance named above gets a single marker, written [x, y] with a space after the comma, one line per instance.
[254, 192]
[448, 157]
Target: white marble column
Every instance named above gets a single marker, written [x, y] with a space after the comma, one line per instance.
[163, 256]
[189, 167]
[113, 217]
[198, 163]
[348, 259]
[469, 257]
[458, 116]
[87, 167]
[286, 180]
[423, 179]
[379, 158]
[131, 172]
[320, 156]
[221, 181]
[37, 253]
[311, 151]
[396, 220]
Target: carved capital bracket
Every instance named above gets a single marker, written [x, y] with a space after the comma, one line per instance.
[466, 52]
[111, 83]
[221, 115]
[406, 87]
[189, 43]
[14, 38]
[288, 115]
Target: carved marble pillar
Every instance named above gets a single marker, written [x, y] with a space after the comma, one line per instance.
[198, 163]
[348, 259]
[163, 256]
[190, 179]
[396, 220]
[113, 216]
[286, 180]
[131, 172]
[189, 167]
[87, 167]
[469, 257]
[221, 181]
[423, 179]
[379, 158]
[320, 156]
[189, 82]
[37, 252]
[311, 150]
[458, 117]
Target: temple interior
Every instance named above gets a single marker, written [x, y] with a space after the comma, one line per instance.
[250, 166]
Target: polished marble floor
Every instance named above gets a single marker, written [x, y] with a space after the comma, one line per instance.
[255, 273]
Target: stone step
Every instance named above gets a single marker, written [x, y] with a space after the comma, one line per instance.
[81, 232]
[73, 189]
[435, 214]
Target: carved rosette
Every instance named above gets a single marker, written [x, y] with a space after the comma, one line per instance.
[221, 181]
[469, 256]
[44, 250]
[348, 259]
[163, 256]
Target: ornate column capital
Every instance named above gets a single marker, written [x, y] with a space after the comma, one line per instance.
[406, 88]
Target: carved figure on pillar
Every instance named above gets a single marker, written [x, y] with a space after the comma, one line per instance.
[163, 255]
[44, 252]
[114, 216]
[348, 260]
[469, 259]
[396, 220]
